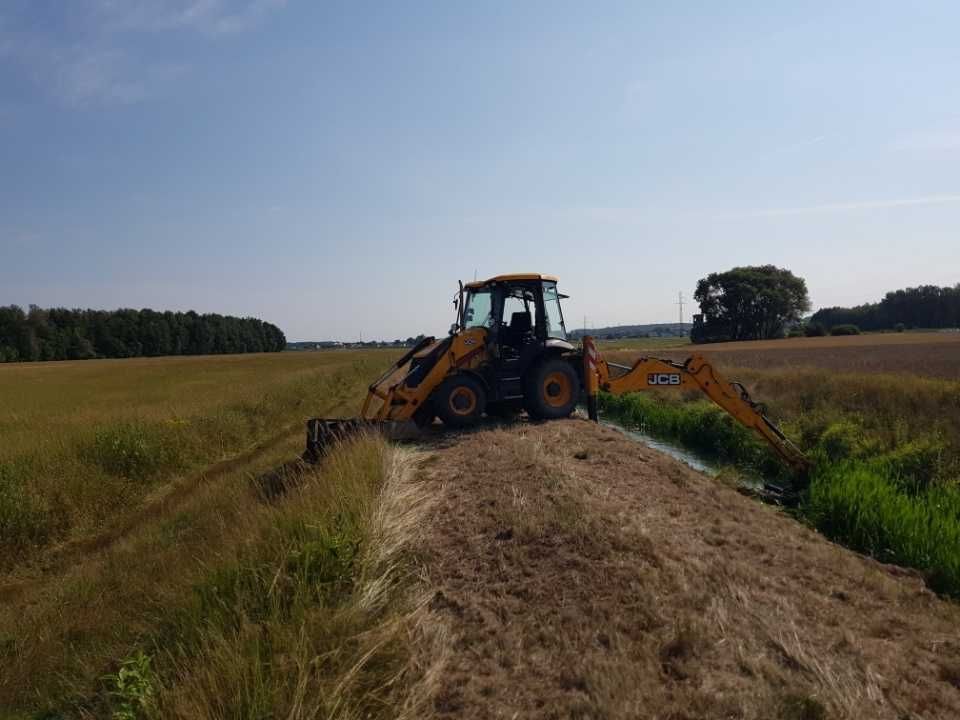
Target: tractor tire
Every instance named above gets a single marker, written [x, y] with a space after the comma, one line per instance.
[460, 401]
[551, 390]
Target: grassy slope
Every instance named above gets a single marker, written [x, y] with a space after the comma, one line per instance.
[85, 442]
[886, 447]
[232, 602]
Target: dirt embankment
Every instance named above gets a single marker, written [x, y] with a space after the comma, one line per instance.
[575, 573]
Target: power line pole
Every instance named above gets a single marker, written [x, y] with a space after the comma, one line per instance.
[680, 302]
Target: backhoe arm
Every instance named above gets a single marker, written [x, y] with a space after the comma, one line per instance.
[696, 373]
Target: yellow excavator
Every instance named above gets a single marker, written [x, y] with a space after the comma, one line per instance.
[508, 351]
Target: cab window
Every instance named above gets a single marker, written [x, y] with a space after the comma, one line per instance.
[478, 309]
[554, 317]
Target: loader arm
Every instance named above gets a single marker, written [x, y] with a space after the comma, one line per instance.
[696, 373]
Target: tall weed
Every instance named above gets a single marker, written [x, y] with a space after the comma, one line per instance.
[25, 518]
[861, 506]
[285, 627]
[133, 450]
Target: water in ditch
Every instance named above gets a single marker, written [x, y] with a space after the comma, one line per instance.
[675, 451]
[688, 457]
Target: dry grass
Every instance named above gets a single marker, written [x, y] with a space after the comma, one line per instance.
[86, 442]
[47, 404]
[334, 655]
[924, 354]
[868, 340]
[296, 605]
[683, 600]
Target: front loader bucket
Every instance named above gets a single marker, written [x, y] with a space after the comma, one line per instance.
[324, 433]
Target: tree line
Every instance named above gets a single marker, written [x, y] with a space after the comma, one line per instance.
[927, 306]
[62, 334]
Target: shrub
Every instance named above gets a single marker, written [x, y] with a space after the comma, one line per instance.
[24, 518]
[795, 332]
[914, 465]
[132, 450]
[132, 688]
[814, 329]
[848, 329]
[842, 440]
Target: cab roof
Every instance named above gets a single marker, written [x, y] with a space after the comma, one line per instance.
[508, 278]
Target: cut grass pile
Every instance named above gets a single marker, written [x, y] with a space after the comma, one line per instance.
[299, 607]
[123, 427]
[885, 452]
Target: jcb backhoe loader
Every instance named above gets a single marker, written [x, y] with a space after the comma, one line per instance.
[508, 351]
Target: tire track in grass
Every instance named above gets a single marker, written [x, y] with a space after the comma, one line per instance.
[169, 497]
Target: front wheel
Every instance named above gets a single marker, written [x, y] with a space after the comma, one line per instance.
[551, 390]
[460, 401]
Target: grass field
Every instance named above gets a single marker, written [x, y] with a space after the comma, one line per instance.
[926, 354]
[651, 344]
[84, 442]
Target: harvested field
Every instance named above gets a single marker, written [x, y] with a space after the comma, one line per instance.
[575, 573]
[927, 354]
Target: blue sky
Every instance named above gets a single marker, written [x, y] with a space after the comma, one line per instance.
[336, 167]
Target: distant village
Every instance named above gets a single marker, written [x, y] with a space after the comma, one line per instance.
[604, 333]
[336, 344]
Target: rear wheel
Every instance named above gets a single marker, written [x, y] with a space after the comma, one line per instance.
[551, 390]
[460, 401]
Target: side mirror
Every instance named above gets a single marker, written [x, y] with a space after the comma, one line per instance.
[454, 328]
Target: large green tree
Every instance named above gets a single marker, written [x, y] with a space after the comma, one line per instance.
[748, 303]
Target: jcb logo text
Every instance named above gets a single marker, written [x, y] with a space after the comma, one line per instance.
[663, 379]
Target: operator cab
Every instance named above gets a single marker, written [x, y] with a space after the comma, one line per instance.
[522, 316]
[516, 308]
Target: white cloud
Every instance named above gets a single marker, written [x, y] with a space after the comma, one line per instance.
[93, 59]
[845, 207]
[210, 16]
